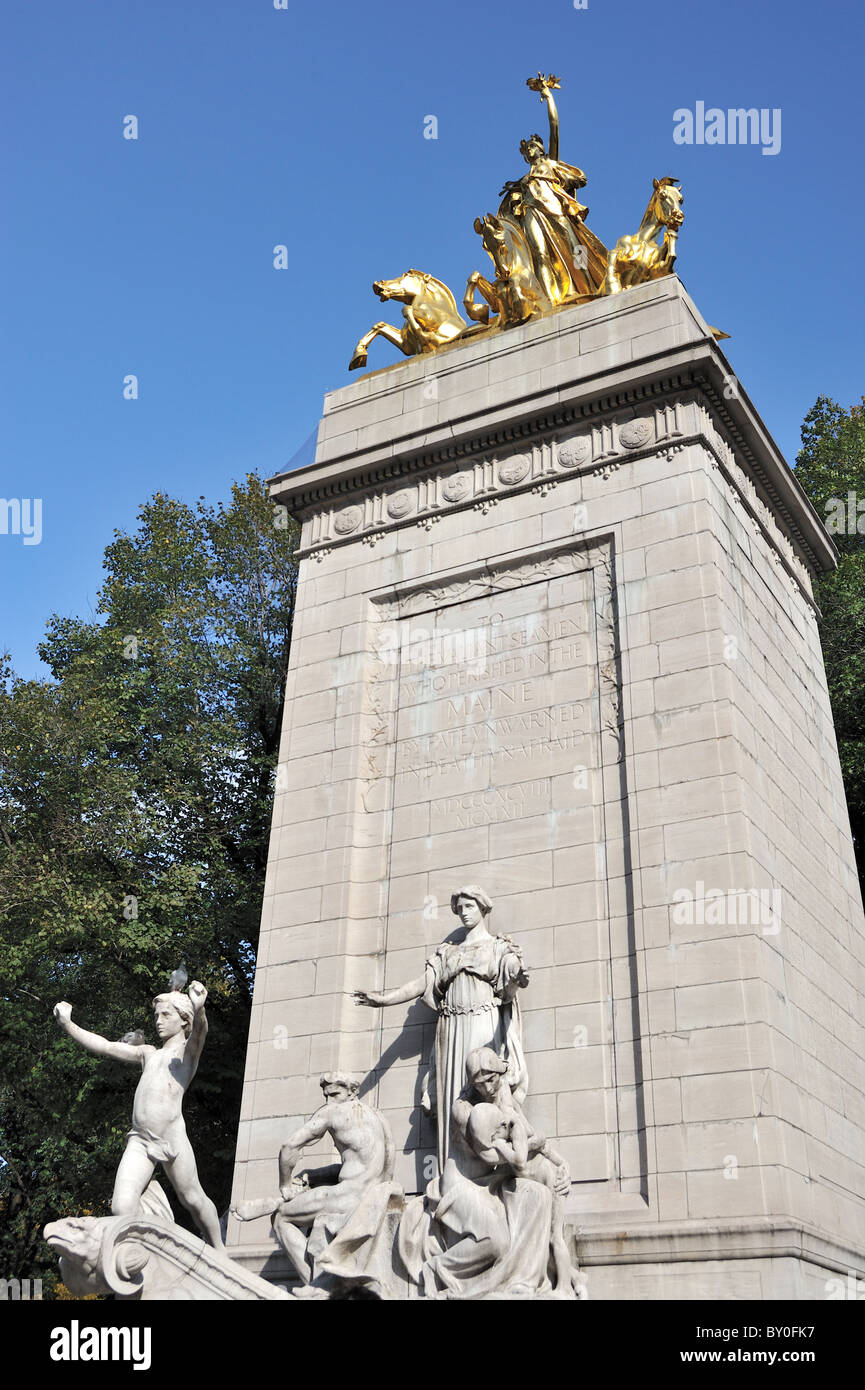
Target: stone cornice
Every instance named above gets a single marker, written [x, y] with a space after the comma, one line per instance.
[755, 1238]
[368, 444]
[423, 497]
[607, 441]
[307, 487]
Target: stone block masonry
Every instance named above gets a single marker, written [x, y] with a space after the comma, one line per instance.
[556, 635]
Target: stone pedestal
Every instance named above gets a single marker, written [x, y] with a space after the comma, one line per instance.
[555, 635]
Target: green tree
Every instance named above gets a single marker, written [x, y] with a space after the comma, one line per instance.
[135, 795]
[831, 468]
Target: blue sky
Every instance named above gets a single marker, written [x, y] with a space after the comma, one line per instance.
[304, 127]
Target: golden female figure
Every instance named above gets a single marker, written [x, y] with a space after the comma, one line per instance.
[568, 259]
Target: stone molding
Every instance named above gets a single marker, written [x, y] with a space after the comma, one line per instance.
[539, 466]
[585, 369]
[746, 1239]
[745, 498]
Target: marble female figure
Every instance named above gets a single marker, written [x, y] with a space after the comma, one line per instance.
[472, 984]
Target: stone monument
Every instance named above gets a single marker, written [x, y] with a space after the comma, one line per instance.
[556, 635]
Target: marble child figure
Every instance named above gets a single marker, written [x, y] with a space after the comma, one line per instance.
[158, 1133]
[472, 984]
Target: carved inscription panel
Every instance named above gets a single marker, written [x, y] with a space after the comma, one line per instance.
[490, 698]
[496, 742]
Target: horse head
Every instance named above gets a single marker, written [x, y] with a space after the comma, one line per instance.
[404, 287]
[495, 242]
[666, 203]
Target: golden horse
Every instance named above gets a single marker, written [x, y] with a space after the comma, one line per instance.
[635, 259]
[516, 294]
[430, 314]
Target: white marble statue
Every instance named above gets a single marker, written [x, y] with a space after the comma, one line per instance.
[497, 1228]
[333, 1222]
[472, 984]
[158, 1133]
[148, 1257]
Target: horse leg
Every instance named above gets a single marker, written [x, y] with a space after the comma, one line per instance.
[527, 298]
[415, 334]
[666, 259]
[480, 313]
[612, 283]
[382, 330]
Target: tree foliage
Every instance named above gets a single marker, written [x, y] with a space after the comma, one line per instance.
[135, 796]
[831, 468]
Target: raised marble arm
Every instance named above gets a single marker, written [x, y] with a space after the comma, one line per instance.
[198, 1032]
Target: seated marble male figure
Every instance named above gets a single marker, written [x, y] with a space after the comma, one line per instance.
[317, 1205]
[158, 1133]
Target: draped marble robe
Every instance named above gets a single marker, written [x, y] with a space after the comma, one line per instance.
[483, 1230]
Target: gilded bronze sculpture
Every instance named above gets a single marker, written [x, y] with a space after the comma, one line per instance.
[636, 259]
[516, 294]
[430, 314]
[568, 259]
[543, 254]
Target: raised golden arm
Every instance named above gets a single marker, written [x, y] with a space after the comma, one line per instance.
[544, 86]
